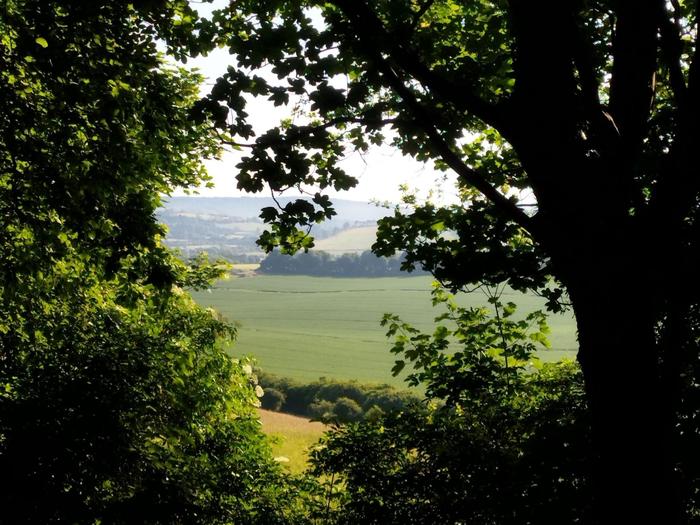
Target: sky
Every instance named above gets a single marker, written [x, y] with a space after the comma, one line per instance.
[380, 172]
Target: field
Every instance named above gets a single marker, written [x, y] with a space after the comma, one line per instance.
[309, 327]
[353, 240]
[292, 435]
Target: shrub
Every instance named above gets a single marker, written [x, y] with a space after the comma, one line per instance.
[321, 410]
[346, 410]
[273, 399]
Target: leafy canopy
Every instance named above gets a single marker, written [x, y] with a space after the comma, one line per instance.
[117, 400]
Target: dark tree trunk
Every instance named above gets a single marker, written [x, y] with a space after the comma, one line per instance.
[631, 413]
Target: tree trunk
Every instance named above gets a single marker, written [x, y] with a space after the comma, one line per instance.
[631, 414]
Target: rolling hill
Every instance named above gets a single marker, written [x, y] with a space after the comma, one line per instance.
[229, 226]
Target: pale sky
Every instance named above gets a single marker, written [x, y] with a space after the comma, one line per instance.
[380, 171]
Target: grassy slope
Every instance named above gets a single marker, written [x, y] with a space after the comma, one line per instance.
[308, 327]
[293, 436]
[353, 240]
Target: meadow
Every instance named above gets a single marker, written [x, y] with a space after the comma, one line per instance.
[292, 437]
[310, 327]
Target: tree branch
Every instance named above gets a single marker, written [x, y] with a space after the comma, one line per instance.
[305, 131]
[427, 4]
[423, 118]
[359, 13]
[672, 49]
[634, 67]
[694, 73]
[366, 23]
[544, 52]
[583, 60]
[678, 189]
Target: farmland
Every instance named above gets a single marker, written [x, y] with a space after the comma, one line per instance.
[309, 327]
[351, 240]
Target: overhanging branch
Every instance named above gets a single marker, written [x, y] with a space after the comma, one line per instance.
[672, 49]
[457, 93]
[634, 66]
[363, 17]
[423, 118]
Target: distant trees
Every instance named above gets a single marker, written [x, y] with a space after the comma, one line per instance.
[332, 400]
[322, 264]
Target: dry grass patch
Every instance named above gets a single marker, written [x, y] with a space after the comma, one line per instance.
[293, 436]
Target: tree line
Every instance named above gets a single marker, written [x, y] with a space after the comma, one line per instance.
[322, 264]
[332, 401]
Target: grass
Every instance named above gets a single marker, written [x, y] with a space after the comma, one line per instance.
[244, 269]
[292, 437]
[309, 327]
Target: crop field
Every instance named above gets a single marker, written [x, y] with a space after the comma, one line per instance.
[309, 327]
[353, 240]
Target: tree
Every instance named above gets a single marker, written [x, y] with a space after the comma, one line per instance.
[592, 107]
[114, 413]
[117, 400]
[499, 441]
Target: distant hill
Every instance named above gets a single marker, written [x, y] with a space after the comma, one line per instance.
[249, 207]
[229, 226]
[351, 240]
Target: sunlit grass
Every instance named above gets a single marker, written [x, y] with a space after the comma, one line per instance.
[309, 327]
[292, 437]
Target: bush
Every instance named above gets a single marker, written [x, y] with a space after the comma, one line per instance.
[321, 410]
[273, 399]
[117, 413]
[374, 414]
[346, 410]
[525, 461]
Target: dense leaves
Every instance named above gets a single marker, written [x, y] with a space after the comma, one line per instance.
[113, 412]
[495, 442]
[117, 401]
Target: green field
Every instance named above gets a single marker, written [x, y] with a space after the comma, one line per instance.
[308, 327]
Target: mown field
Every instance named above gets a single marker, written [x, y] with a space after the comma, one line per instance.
[353, 240]
[309, 327]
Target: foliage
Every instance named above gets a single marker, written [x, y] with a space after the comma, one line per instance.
[116, 412]
[346, 409]
[117, 401]
[524, 460]
[329, 400]
[487, 340]
[496, 443]
[273, 399]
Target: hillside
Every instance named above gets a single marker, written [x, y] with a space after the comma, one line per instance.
[351, 240]
[249, 207]
[229, 226]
